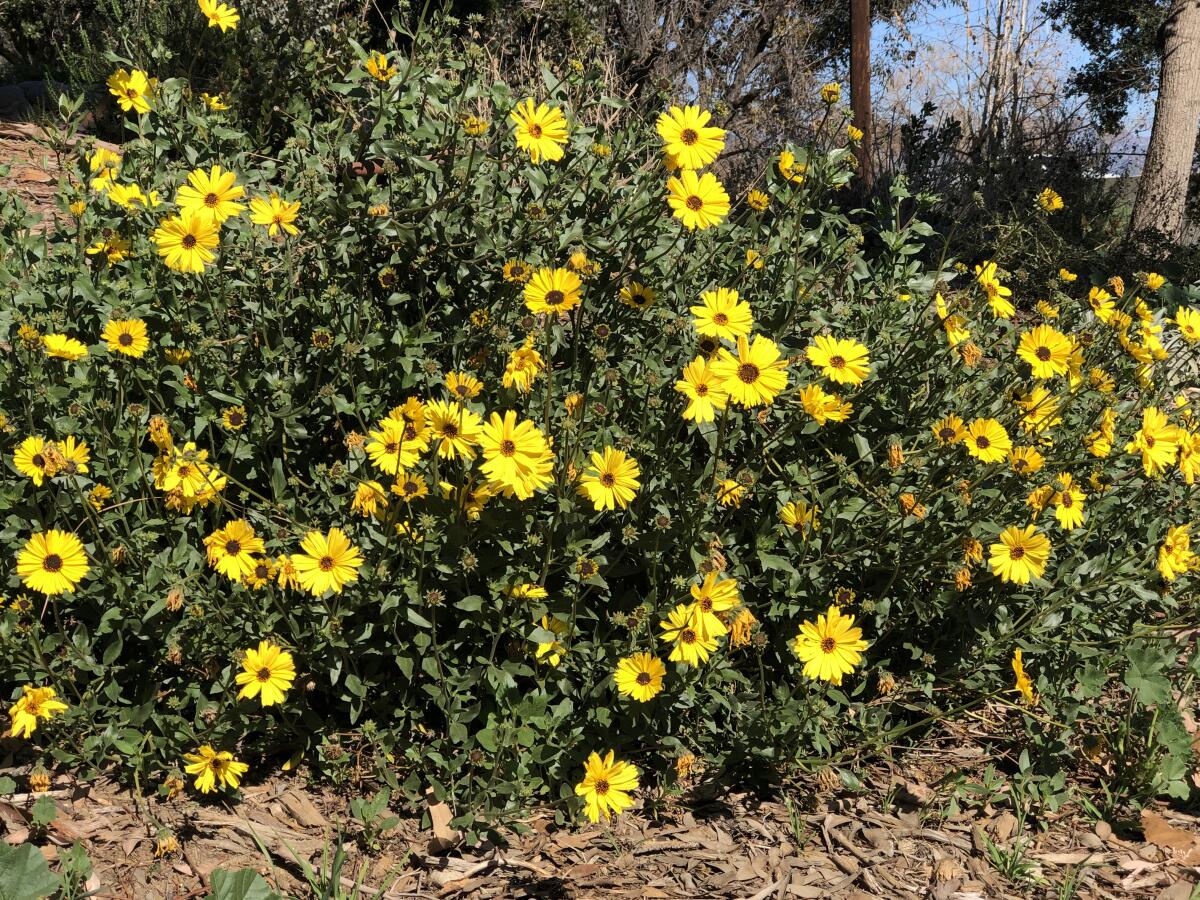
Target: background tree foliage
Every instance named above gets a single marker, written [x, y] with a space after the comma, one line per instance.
[1124, 43]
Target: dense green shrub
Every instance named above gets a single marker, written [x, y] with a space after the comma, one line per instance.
[439, 663]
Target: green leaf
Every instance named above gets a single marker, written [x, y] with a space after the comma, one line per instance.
[244, 884]
[24, 874]
[45, 811]
[278, 481]
[1145, 675]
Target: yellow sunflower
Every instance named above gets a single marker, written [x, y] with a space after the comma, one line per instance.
[688, 137]
[213, 194]
[1047, 351]
[697, 201]
[721, 314]
[541, 131]
[830, 647]
[517, 457]
[61, 346]
[231, 550]
[454, 429]
[606, 786]
[704, 392]
[611, 480]
[31, 460]
[279, 216]
[219, 15]
[33, 704]
[753, 377]
[52, 562]
[132, 90]
[267, 673]
[213, 769]
[1020, 555]
[679, 628]
[987, 440]
[552, 291]
[640, 676]
[843, 360]
[328, 562]
[127, 336]
[186, 242]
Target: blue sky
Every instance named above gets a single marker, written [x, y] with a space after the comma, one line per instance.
[939, 32]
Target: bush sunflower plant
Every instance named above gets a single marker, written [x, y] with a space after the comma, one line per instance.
[533, 468]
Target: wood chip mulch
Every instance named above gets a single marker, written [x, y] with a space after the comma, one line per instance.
[893, 839]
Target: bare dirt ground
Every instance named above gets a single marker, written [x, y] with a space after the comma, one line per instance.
[897, 837]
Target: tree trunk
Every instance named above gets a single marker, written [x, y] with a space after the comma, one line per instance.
[860, 85]
[1162, 190]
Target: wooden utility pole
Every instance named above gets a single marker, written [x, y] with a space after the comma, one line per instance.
[860, 85]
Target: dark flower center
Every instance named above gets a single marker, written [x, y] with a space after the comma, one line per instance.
[535, 130]
[326, 563]
[687, 636]
[125, 340]
[236, 419]
[211, 199]
[554, 298]
[946, 434]
[828, 645]
[602, 786]
[410, 488]
[701, 390]
[450, 430]
[39, 460]
[1017, 553]
[643, 678]
[1066, 501]
[233, 548]
[982, 442]
[747, 373]
[508, 447]
[607, 479]
[688, 136]
[694, 203]
[264, 674]
[52, 563]
[721, 319]
[188, 242]
[838, 362]
[1043, 353]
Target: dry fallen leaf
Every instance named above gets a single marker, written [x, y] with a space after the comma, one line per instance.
[444, 837]
[1162, 834]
